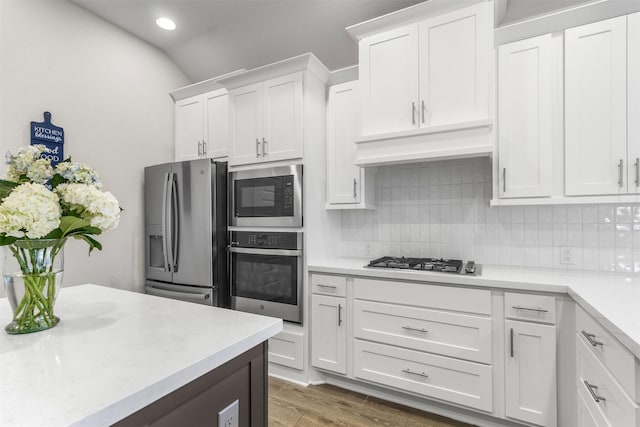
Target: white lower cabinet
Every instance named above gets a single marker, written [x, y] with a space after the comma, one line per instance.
[530, 372]
[329, 333]
[287, 349]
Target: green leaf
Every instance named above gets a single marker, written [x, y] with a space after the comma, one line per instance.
[6, 187]
[93, 243]
[70, 223]
[7, 240]
[56, 180]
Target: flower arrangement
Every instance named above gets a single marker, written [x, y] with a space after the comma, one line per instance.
[40, 207]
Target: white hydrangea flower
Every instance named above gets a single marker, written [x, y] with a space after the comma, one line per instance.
[30, 210]
[101, 209]
[24, 160]
[78, 173]
[40, 171]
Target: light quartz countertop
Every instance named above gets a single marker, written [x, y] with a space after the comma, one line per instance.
[612, 298]
[113, 353]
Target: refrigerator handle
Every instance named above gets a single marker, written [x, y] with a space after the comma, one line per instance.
[165, 222]
[175, 223]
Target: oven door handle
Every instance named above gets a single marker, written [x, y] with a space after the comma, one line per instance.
[258, 251]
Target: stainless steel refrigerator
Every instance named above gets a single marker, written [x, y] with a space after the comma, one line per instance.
[186, 231]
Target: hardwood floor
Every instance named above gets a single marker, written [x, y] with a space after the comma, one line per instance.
[291, 405]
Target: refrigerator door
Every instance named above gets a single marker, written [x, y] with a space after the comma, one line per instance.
[156, 192]
[190, 248]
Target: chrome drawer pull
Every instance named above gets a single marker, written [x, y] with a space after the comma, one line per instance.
[421, 374]
[320, 285]
[536, 309]
[409, 328]
[339, 314]
[590, 338]
[591, 387]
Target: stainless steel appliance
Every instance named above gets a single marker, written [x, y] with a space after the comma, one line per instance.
[186, 231]
[269, 197]
[266, 273]
[453, 266]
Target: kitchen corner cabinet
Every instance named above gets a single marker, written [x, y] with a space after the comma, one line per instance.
[525, 114]
[329, 323]
[348, 186]
[434, 72]
[201, 126]
[597, 160]
[265, 120]
[530, 360]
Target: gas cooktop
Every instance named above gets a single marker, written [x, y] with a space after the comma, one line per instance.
[440, 265]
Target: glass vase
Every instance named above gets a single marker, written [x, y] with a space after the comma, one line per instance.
[32, 275]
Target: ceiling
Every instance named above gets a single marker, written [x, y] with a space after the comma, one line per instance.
[215, 37]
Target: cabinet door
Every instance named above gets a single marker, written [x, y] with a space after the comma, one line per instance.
[343, 177]
[389, 81]
[216, 123]
[524, 125]
[596, 108]
[245, 124]
[454, 71]
[633, 94]
[282, 132]
[329, 333]
[188, 141]
[530, 372]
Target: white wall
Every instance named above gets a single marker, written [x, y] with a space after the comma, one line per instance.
[441, 209]
[109, 91]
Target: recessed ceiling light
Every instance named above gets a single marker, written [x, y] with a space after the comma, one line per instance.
[166, 23]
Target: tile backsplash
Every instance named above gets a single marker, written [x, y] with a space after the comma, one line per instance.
[441, 209]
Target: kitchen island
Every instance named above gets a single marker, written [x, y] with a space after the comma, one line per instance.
[119, 356]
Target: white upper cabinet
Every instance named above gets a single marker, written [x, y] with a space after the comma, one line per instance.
[454, 73]
[346, 186]
[201, 126]
[596, 108]
[524, 118]
[389, 76]
[245, 124]
[633, 101]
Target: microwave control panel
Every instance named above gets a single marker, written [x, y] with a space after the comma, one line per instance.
[267, 240]
[287, 196]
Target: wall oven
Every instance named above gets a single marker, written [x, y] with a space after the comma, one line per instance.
[270, 197]
[266, 271]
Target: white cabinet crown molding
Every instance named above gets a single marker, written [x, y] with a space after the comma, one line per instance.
[201, 87]
[343, 75]
[305, 62]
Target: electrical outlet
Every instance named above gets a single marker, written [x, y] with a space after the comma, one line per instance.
[228, 417]
[566, 255]
[368, 251]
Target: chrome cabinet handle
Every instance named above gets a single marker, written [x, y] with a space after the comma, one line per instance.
[409, 371]
[511, 341]
[257, 148]
[413, 113]
[264, 147]
[339, 314]
[355, 184]
[620, 166]
[199, 148]
[204, 148]
[410, 328]
[591, 389]
[423, 108]
[591, 339]
[504, 180]
[536, 309]
[637, 165]
[320, 285]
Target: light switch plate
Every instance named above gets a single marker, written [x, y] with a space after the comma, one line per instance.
[228, 417]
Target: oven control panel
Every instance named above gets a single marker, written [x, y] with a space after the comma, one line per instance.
[266, 240]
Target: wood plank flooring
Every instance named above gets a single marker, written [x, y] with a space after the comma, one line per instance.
[291, 405]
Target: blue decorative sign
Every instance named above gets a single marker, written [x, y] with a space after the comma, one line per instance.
[51, 136]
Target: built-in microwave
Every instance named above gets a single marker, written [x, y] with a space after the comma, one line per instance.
[270, 197]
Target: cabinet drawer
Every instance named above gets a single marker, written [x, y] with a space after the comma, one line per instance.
[450, 334]
[422, 295]
[608, 350]
[286, 349]
[594, 382]
[329, 285]
[536, 308]
[451, 380]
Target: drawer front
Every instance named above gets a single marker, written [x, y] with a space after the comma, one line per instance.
[450, 334]
[451, 380]
[536, 308]
[324, 284]
[594, 382]
[286, 349]
[453, 298]
[613, 355]
[587, 416]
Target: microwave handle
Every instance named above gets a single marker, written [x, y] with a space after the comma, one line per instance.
[258, 251]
